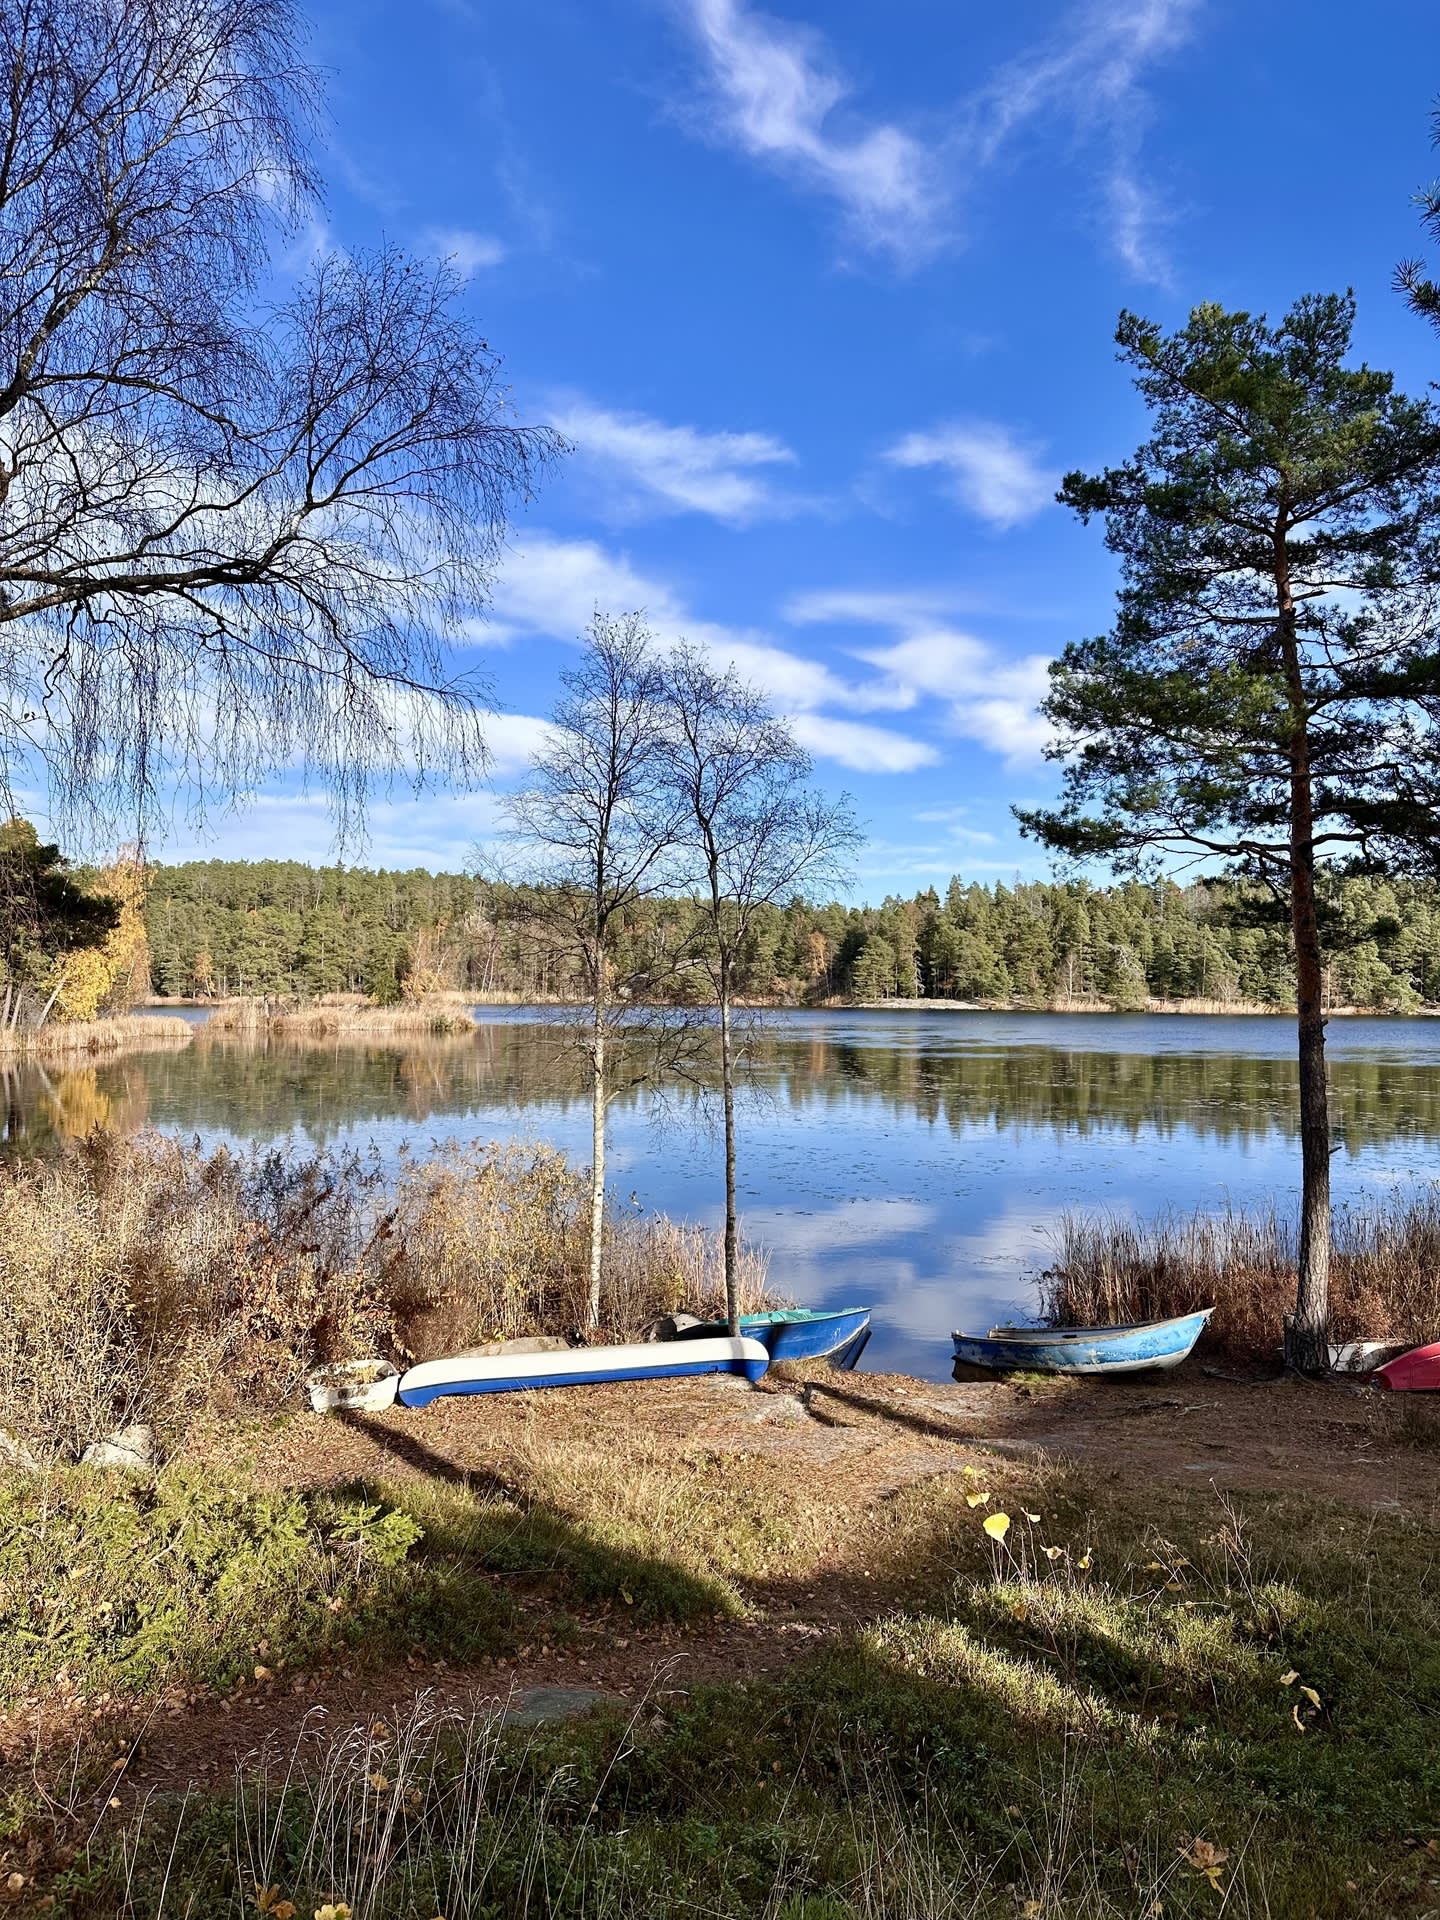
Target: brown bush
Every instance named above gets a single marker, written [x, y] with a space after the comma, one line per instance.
[140, 1278]
[1385, 1274]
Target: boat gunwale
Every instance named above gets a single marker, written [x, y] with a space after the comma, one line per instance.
[1054, 1336]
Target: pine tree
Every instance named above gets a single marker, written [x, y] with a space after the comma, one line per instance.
[1265, 693]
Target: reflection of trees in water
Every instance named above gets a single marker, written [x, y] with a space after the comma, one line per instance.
[267, 1088]
[44, 1103]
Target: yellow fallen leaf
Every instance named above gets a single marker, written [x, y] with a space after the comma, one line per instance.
[997, 1525]
[1295, 1716]
[1289, 1679]
[976, 1499]
[1034, 1518]
[1086, 1561]
[1311, 1695]
[1207, 1859]
[1053, 1553]
[333, 1910]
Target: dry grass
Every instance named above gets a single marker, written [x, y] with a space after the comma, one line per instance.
[140, 1278]
[1385, 1277]
[63, 1039]
[326, 1019]
[491, 1244]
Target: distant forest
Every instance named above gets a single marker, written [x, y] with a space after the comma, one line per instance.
[220, 927]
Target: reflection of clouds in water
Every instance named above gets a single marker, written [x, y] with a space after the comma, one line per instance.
[1021, 1242]
[812, 1231]
[923, 1276]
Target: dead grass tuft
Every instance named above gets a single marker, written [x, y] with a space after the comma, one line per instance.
[61, 1039]
[1385, 1276]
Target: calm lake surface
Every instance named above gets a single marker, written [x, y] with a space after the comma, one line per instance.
[919, 1161]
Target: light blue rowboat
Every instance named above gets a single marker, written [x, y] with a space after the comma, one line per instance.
[1132, 1349]
[578, 1367]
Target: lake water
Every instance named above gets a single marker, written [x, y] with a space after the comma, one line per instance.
[919, 1161]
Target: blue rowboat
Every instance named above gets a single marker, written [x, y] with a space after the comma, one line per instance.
[1132, 1349]
[579, 1367]
[797, 1333]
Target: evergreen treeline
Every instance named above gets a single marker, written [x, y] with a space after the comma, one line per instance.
[279, 927]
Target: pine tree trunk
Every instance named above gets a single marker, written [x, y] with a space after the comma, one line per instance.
[1312, 1297]
[727, 1086]
[1307, 1346]
[597, 1160]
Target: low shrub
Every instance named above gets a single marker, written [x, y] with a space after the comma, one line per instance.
[132, 1588]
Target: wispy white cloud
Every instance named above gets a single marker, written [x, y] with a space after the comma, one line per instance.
[774, 89]
[554, 586]
[469, 253]
[986, 696]
[990, 469]
[874, 606]
[866, 748]
[1091, 78]
[649, 465]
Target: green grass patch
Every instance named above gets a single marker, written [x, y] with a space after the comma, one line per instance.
[1103, 1714]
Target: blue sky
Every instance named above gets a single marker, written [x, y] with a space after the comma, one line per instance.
[824, 296]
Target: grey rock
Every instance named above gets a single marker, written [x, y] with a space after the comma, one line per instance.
[130, 1448]
[529, 1343]
[779, 1410]
[537, 1705]
[16, 1455]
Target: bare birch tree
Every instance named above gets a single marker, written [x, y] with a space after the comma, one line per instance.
[241, 517]
[595, 825]
[754, 834]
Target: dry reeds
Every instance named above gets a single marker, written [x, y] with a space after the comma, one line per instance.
[140, 1277]
[343, 1019]
[1385, 1272]
[61, 1039]
[491, 1244]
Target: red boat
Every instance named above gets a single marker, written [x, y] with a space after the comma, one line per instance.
[1415, 1372]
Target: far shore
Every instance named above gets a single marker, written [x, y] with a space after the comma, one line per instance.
[356, 1005]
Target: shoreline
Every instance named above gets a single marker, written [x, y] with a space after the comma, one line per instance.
[358, 1010]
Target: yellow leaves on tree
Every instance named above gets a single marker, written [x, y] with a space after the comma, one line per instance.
[110, 978]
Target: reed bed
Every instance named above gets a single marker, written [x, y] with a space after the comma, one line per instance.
[141, 1279]
[63, 1039]
[1385, 1273]
[328, 1019]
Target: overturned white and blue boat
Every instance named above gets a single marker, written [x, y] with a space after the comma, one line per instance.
[580, 1367]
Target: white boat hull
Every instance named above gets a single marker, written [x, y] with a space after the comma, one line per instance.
[580, 1366]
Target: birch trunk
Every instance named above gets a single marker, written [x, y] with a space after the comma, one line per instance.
[597, 1158]
[727, 1086]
